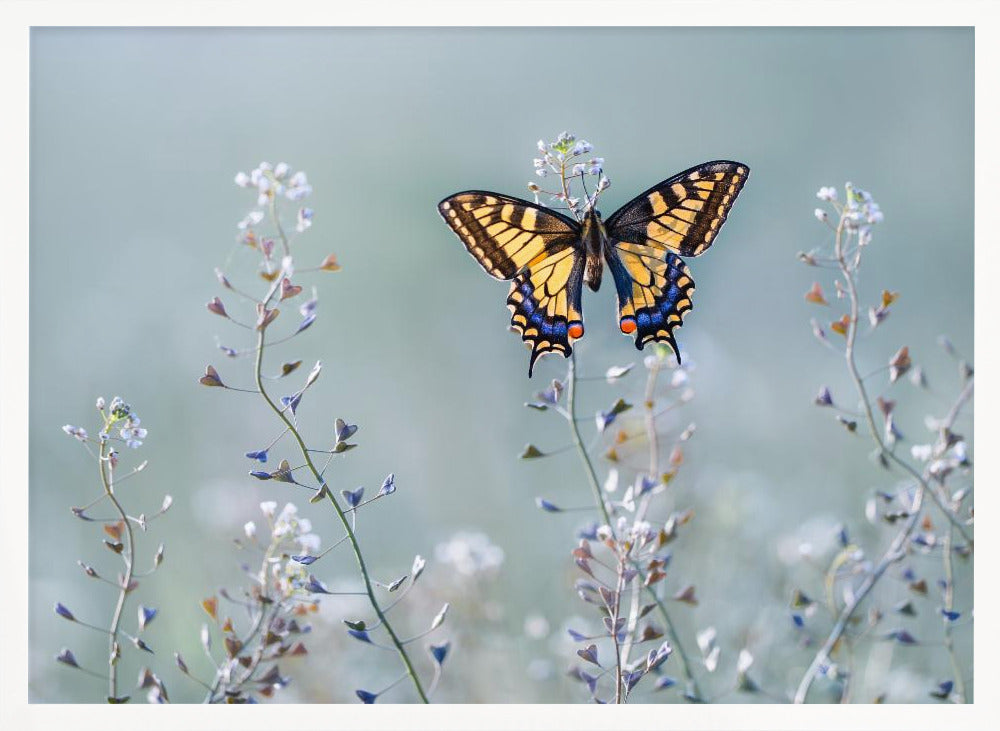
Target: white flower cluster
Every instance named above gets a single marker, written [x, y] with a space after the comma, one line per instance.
[287, 526]
[858, 213]
[273, 180]
[557, 158]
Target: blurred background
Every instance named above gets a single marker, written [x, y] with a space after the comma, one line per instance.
[135, 138]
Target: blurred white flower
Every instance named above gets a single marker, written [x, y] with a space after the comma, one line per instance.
[536, 626]
[309, 543]
[469, 553]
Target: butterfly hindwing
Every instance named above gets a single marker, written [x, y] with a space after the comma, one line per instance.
[680, 216]
[545, 304]
[683, 213]
[540, 250]
[505, 234]
[654, 292]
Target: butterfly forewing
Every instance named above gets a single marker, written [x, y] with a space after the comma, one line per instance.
[682, 215]
[505, 234]
[540, 250]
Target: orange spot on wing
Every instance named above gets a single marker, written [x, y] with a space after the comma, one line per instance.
[628, 325]
[576, 330]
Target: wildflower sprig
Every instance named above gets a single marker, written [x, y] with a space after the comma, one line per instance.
[943, 462]
[120, 427]
[276, 604]
[563, 159]
[263, 231]
[623, 556]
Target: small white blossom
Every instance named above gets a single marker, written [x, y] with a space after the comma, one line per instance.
[250, 529]
[821, 215]
[284, 524]
[304, 219]
[268, 507]
[242, 180]
[76, 431]
[309, 543]
[281, 170]
[827, 194]
[251, 219]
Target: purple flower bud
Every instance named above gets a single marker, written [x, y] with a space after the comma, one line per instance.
[260, 456]
[439, 652]
[547, 506]
[361, 635]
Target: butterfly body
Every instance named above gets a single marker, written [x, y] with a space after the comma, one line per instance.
[548, 256]
[595, 242]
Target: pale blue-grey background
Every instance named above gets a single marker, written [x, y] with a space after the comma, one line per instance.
[135, 137]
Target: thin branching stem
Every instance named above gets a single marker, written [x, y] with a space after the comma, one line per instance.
[895, 553]
[348, 528]
[949, 605]
[318, 475]
[588, 465]
[694, 690]
[896, 549]
[615, 612]
[128, 556]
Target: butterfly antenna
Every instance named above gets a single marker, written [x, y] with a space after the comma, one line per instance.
[583, 182]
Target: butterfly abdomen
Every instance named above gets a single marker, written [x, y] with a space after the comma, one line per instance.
[593, 237]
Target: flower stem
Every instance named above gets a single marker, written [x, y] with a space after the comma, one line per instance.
[128, 556]
[307, 456]
[896, 550]
[595, 486]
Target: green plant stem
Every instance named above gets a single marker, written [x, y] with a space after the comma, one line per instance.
[896, 550]
[615, 611]
[128, 556]
[595, 484]
[599, 499]
[859, 385]
[307, 456]
[254, 629]
[949, 604]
